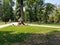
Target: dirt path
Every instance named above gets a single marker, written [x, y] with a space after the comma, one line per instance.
[44, 26]
[5, 25]
[15, 23]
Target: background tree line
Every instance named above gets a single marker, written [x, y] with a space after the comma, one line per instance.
[7, 10]
[35, 11]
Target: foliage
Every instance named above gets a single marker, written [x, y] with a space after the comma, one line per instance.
[35, 11]
[57, 16]
[33, 7]
[38, 10]
[7, 12]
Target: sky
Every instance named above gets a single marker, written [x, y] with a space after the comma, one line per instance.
[56, 2]
[14, 5]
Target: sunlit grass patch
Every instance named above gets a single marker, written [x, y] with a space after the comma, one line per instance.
[1, 23]
[27, 29]
[27, 34]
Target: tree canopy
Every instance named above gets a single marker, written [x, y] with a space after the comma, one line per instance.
[35, 11]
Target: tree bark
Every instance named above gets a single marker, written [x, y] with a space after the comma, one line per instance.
[22, 13]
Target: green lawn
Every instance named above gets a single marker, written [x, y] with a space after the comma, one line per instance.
[25, 35]
[27, 29]
[52, 24]
[2, 23]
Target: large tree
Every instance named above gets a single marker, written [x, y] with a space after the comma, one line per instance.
[57, 15]
[34, 8]
[7, 10]
[22, 15]
[19, 10]
[49, 9]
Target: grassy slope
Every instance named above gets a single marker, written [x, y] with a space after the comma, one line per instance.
[27, 35]
[2, 23]
[51, 24]
[27, 29]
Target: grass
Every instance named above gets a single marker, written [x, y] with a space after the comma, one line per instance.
[2, 23]
[27, 29]
[25, 35]
[51, 24]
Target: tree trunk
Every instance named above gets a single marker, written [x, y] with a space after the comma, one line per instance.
[22, 13]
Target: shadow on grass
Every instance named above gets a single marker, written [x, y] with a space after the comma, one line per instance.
[52, 38]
